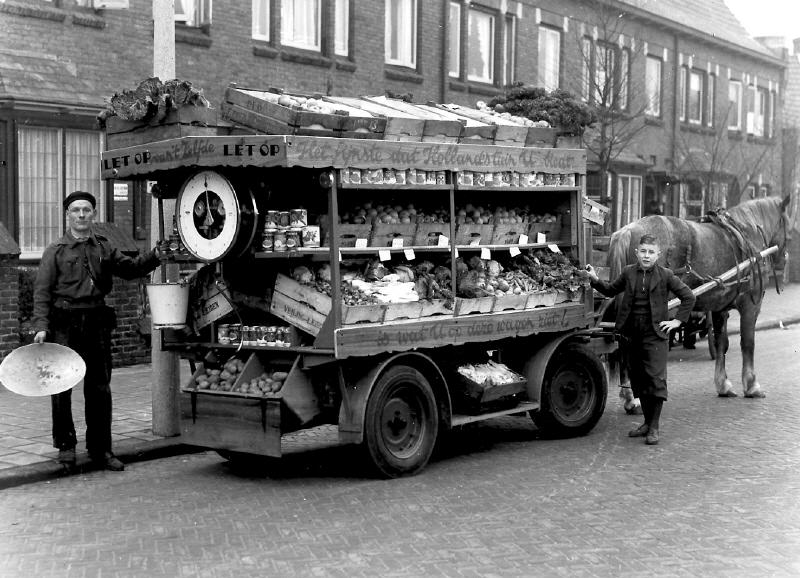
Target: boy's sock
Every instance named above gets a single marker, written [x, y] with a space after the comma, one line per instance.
[655, 411]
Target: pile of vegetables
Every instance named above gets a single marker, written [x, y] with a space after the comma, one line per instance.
[489, 374]
[152, 99]
[551, 270]
[558, 108]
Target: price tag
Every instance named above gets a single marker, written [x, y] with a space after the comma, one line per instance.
[361, 243]
[456, 252]
[397, 242]
[486, 253]
[384, 255]
[514, 251]
[554, 248]
[540, 238]
[340, 256]
[443, 241]
[523, 239]
[409, 254]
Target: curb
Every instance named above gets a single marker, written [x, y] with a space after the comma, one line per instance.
[129, 453]
[768, 324]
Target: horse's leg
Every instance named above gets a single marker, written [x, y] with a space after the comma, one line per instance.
[724, 386]
[748, 313]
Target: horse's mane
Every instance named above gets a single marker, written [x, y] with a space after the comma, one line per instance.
[618, 249]
[756, 213]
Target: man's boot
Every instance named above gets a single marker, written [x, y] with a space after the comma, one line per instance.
[642, 430]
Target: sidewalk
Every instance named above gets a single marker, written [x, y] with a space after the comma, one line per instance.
[26, 452]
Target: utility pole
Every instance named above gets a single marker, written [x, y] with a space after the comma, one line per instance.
[165, 372]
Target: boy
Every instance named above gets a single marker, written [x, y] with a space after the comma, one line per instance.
[642, 318]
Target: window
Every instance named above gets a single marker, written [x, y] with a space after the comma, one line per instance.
[587, 47]
[693, 198]
[549, 63]
[509, 48]
[682, 94]
[772, 114]
[480, 55]
[341, 35]
[653, 86]
[761, 122]
[454, 41]
[261, 19]
[694, 97]
[624, 76]
[604, 75]
[629, 199]
[193, 12]
[711, 108]
[734, 105]
[53, 162]
[300, 24]
[401, 32]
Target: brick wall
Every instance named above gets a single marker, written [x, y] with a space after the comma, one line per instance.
[9, 303]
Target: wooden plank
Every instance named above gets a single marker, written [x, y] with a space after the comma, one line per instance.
[510, 302]
[439, 331]
[298, 314]
[474, 234]
[232, 423]
[427, 234]
[303, 294]
[147, 134]
[477, 305]
[432, 307]
[298, 394]
[253, 120]
[508, 234]
[402, 311]
[197, 115]
[384, 234]
[523, 407]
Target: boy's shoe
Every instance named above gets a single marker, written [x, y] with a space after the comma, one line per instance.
[640, 431]
[109, 461]
[67, 457]
[652, 437]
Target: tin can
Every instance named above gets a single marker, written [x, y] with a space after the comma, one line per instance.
[514, 179]
[267, 240]
[355, 176]
[311, 236]
[271, 220]
[440, 178]
[293, 238]
[282, 336]
[344, 176]
[298, 218]
[223, 334]
[400, 177]
[279, 241]
[284, 219]
[261, 335]
[269, 337]
[479, 179]
[235, 332]
[389, 177]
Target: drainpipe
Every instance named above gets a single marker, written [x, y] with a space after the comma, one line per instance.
[675, 202]
[444, 75]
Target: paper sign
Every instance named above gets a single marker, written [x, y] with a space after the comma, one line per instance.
[340, 256]
[514, 251]
[361, 243]
[554, 248]
[540, 238]
[384, 255]
[475, 241]
[120, 191]
[523, 239]
[456, 253]
[486, 253]
[409, 254]
[443, 241]
[397, 242]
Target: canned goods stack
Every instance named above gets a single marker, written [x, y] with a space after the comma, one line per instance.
[254, 335]
[288, 231]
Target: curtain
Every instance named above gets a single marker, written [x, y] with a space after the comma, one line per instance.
[401, 32]
[261, 19]
[300, 23]
[342, 30]
[481, 47]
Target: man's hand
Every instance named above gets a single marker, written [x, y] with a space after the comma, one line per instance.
[40, 337]
[588, 272]
[667, 326]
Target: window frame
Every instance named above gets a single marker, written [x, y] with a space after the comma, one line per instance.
[197, 17]
[711, 102]
[490, 58]
[682, 87]
[454, 41]
[736, 85]
[509, 48]
[654, 108]
[542, 76]
[700, 99]
[587, 54]
[301, 44]
[605, 84]
[261, 10]
[628, 203]
[623, 82]
[411, 62]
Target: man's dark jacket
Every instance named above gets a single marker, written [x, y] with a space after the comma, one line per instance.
[662, 281]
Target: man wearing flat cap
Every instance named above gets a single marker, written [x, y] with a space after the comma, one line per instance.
[75, 275]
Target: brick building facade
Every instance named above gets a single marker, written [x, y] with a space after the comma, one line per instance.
[675, 67]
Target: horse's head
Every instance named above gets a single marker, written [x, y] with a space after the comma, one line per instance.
[768, 218]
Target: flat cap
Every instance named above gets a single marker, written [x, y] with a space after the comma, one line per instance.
[79, 196]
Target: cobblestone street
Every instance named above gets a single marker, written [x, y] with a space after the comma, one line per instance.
[717, 497]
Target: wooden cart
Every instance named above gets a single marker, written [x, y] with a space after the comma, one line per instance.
[386, 376]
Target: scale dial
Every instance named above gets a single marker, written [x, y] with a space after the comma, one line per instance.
[209, 216]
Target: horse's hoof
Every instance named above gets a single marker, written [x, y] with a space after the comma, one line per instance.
[727, 394]
[756, 394]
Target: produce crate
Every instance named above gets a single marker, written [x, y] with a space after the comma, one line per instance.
[352, 314]
[348, 234]
[184, 121]
[383, 234]
[510, 302]
[297, 313]
[508, 234]
[482, 393]
[464, 306]
[474, 234]
[427, 234]
[594, 212]
[508, 132]
[358, 123]
[473, 131]
[403, 311]
[400, 126]
[541, 137]
[436, 128]
[540, 299]
[552, 231]
[566, 296]
[431, 307]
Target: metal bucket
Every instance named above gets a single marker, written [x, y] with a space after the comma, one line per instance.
[169, 303]
[41, 369]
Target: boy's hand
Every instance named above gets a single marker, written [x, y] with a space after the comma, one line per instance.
[667, 326]
[588, 272]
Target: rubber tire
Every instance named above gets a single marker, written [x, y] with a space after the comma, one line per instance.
[407, 391]
[564, 412]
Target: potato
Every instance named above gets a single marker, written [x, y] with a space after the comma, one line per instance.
[280, 375]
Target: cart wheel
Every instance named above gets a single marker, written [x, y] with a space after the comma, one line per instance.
[401, 422]
[573, 394]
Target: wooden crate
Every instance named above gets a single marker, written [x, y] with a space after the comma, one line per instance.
[403, 311]
[253, 121]
[465, 306]
[508, 234]
[551, 231]
[358, 123]
[184, 121]
[352, 314]
[427, 234]
[507, 133]
[566, 296]
[432, 307]
[474, 131]
[510, 302]
[483, 393]
[383, 234]
[539, 136]
[303, 293]
[348, 234]
[400, 126]
[436, 128]
[233, 422]
[474, 234]
[296, 313]
[540, 299]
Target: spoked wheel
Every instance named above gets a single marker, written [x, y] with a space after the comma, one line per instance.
[401, 422]
[573, 394]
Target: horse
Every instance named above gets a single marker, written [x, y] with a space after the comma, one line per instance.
[701, 251]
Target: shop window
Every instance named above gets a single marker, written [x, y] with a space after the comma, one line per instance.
[693, 199]
[301, 24]
[401, 32]
[480, 42]
[261, 19]
[53, 162]
[195, 13]
[734, 105]
[549, 59]
[653, 86]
